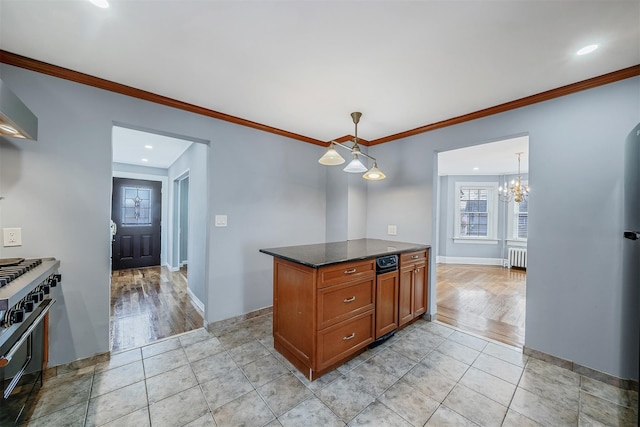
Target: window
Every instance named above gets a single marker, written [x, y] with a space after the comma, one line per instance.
[476, 211]
[521, 223]
[518, 220]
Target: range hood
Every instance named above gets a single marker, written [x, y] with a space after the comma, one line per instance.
[16, 120]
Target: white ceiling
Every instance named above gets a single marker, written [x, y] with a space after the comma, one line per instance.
[132, 146]
[495, 158]
[303, 66]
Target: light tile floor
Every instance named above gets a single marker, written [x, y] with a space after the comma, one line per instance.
[428, 374]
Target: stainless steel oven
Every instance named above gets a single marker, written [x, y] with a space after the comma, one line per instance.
[26, 288]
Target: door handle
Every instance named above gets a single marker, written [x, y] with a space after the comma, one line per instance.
[352, 299]
[415, 256]
[633, 235]
[353, 334]
[351, 271]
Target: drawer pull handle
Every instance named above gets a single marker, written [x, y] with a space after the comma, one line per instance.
[351, 271]
[353, 334]
[415, 256]
[352, 299]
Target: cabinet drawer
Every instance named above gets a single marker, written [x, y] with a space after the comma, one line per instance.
[340, 341]
[341, 302]
[346, 271]
[410, 258]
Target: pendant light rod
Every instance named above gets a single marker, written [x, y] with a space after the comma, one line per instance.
[355, 150]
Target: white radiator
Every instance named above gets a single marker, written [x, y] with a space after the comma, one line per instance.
[518, 257]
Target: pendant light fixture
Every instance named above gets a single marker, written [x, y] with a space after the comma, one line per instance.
[516, 191]
[332, 157]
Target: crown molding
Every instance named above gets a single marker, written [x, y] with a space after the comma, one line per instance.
[604, 79]
[86, 79]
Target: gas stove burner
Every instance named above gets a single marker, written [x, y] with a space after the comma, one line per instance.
[8, 273]
[10, 261]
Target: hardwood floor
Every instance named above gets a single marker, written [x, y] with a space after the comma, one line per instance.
[486, 300]
[148, 304]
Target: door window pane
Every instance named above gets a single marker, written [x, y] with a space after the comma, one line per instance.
[136, 206]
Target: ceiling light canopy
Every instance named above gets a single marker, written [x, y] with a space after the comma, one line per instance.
[333, 158]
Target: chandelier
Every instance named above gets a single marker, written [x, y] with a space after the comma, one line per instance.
[332, 157]
[515, 191]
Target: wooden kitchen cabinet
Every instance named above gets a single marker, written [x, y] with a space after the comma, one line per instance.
[323, 316]
[387, 289]
[412, 298]
[329, 303]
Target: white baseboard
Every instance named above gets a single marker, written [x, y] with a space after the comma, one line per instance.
[469, 260]
[195, 300]
[174, 269]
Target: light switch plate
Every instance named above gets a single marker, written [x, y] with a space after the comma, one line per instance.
[221, 220]
[12, 236]
[392, 230]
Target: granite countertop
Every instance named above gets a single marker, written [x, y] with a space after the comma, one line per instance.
[323, 254]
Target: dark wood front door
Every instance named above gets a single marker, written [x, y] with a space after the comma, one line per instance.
[135, 210]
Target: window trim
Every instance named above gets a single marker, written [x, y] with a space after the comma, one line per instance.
[492, 212]
[512, 233]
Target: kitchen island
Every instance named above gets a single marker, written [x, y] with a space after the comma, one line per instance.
[329, 303]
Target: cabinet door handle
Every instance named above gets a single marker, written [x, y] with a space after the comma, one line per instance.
[417, 270]
[353, 334]
[352, 299]
[415, 256]
[350, 271]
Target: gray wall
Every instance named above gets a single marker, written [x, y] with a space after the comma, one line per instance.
[575, 299]
[194, 159]
[271, 187]
[273, 191]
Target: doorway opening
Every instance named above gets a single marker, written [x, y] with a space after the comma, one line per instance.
[181, 222]
[481, 286]
[151, 297]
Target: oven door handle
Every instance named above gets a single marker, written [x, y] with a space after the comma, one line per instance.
[4, 360]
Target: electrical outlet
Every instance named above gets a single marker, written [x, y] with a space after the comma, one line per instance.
[221, 221]
[392, 230]
[12, 236]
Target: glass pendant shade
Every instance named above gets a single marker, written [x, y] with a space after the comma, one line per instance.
[331, 157]
[355, 166]
[374, 174]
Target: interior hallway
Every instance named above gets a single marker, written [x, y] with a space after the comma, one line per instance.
[485, 300]
[148, 304]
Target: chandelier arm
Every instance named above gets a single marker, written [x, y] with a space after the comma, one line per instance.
[359, 153]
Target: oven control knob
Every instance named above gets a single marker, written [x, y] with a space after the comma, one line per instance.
[46, 289]
[28, 306]
[17, 315]
[56, 278]
[40, 296]
[35, 297]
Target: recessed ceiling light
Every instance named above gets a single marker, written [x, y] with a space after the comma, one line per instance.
[100, 3]
[148, 147]
[476, 168]
[145, 160]
[587, 49]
